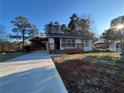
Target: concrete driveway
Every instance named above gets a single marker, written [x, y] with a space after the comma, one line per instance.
[31, 73]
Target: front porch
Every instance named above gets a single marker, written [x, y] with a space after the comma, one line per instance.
[65, 43]
[69, 45]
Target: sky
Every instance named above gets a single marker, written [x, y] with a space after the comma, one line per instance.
[41, 12]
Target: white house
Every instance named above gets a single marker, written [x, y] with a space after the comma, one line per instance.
[61, 41]
[115, 46]
[110, 45]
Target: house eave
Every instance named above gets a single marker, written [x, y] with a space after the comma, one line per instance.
[71, 36]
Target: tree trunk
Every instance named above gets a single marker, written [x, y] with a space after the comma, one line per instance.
[23, 37]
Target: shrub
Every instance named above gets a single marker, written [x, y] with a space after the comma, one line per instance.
[72, 51]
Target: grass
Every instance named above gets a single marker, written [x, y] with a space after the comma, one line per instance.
[90, 57]
[113, 55]
[4, 57]
[92, 72]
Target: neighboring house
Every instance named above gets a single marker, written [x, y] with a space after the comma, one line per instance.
[115, 46]
[99, 44]
[118, 25]
[109, 45]
[61, 41]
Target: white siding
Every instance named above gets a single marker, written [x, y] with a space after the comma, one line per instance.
[51, 40]
[61, 48]
[51, 43]
[113, 47]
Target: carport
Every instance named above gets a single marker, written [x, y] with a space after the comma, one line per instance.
[39, 44]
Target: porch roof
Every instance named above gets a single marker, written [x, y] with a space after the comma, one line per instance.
[100, 41]
[62, 35]
[39, 40]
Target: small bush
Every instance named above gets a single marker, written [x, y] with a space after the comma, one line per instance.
[72, 51]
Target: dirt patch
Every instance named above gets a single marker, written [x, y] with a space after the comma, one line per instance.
[86, 74]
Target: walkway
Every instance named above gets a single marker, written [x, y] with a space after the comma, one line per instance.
[31, 73]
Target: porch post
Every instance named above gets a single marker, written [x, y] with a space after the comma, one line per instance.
[60, 44]
[76, 43]
[47, 47]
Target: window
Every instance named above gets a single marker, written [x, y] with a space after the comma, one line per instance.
[86, 43]
[73, 41]
[68, 42]
[107, 45]
[63, 40]
[73, 45]
[80, 45]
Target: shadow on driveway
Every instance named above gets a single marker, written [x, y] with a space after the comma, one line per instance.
[38, 80]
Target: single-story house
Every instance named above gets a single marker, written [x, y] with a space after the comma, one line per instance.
[61, 41]
[115, 46]
[109, 45]
[99, 44]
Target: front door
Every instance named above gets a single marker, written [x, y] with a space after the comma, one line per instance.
[57, 43]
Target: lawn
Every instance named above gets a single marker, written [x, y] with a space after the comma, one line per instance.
[10, 55]
[92, 72]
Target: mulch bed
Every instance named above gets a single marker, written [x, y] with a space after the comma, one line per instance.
[87, 77]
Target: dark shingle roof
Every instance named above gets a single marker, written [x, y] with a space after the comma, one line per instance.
[63, 35]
